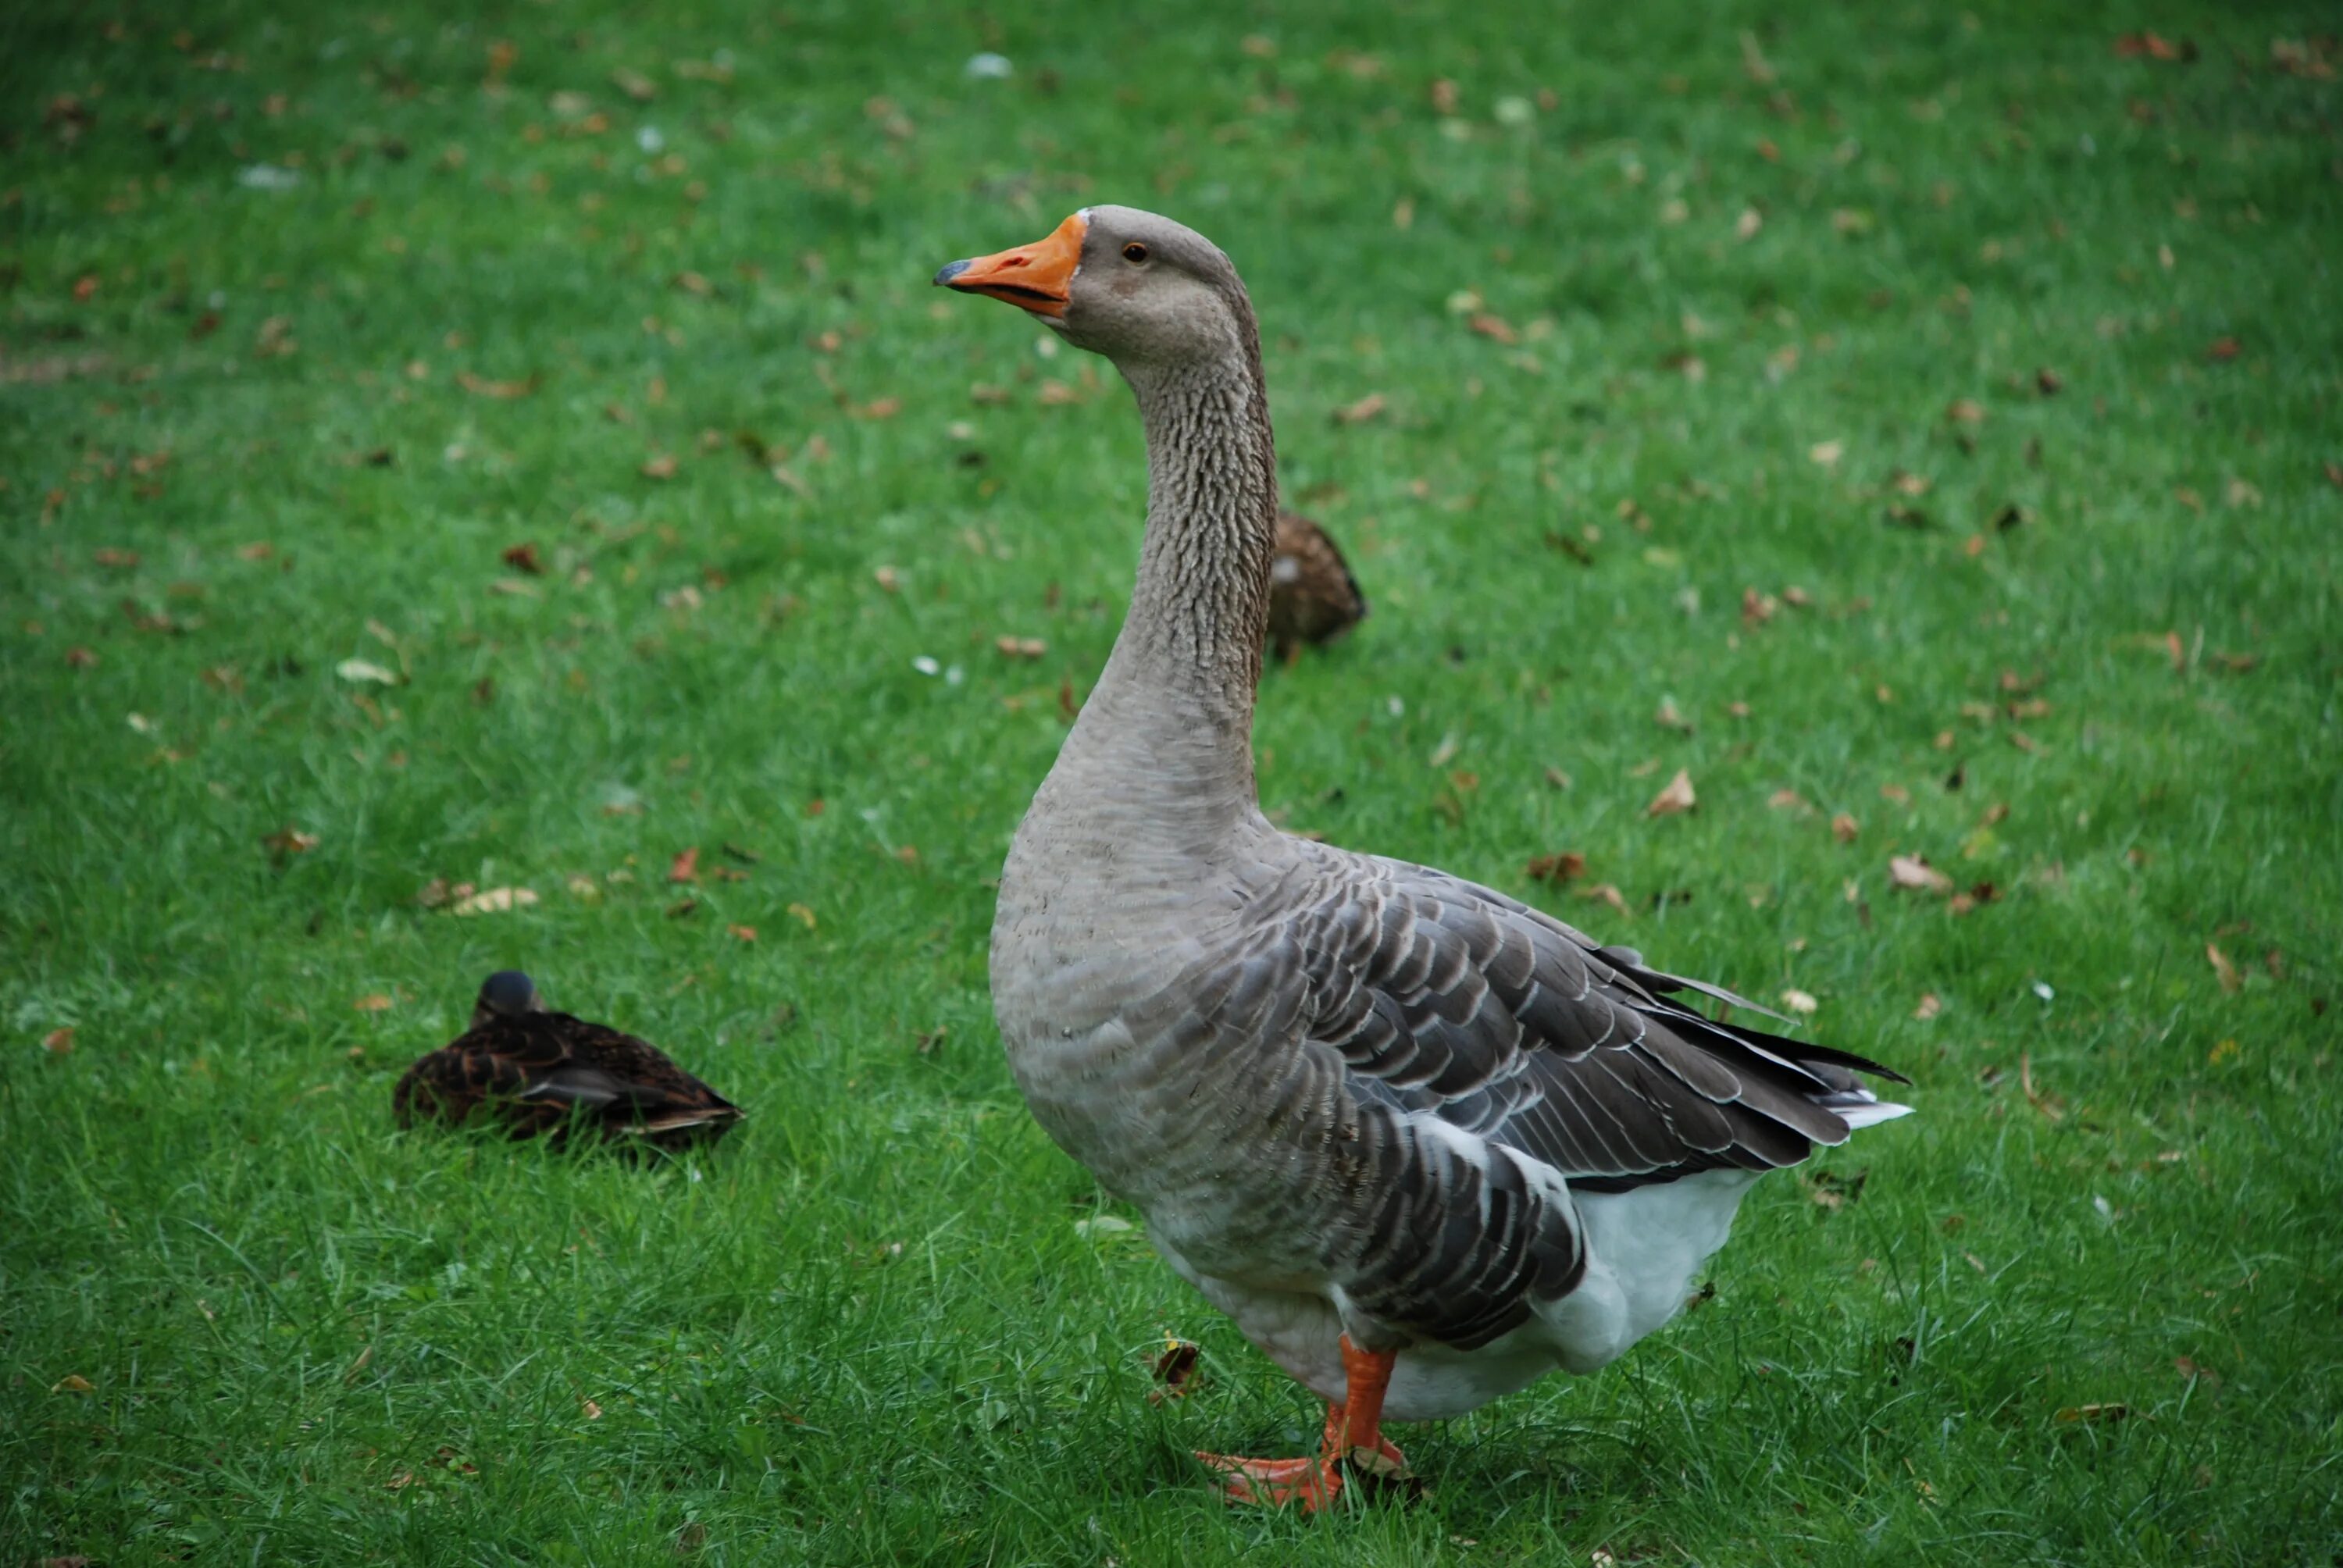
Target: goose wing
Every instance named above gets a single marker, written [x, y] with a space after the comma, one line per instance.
[1483, 1048]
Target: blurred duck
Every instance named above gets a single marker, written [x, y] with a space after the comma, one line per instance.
[1313, 597]
[540, 1072]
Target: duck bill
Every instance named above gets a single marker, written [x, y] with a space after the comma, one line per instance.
[1038, 278]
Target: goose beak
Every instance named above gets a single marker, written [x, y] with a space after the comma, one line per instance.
[1036, 278]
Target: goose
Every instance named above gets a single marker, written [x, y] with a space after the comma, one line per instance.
[539, 1072]
[1423, 1142]
[1313, 597]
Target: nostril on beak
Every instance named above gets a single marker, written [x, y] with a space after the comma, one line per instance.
[951, 270]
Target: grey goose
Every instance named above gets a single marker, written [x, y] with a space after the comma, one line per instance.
[1423, 1142]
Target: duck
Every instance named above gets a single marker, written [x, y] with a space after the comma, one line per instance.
[1424, 1143]
[544, 1073]
[1313, 597]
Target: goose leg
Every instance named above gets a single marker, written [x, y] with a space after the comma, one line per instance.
[1354, 1436]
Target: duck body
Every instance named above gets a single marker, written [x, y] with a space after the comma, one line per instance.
[540, 1073]
[1423, 1142]
[1313, 597]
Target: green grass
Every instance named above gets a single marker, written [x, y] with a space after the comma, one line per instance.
[868, 1329]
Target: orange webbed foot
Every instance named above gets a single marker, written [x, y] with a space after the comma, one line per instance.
[1276, 1482]
[1353, 1443]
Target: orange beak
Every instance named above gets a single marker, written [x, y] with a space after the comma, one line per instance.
[1036, 277]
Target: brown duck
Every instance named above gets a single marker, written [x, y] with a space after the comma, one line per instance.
[1313, 597]
[540, 1072]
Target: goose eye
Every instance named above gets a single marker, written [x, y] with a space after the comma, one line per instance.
[1134, 251]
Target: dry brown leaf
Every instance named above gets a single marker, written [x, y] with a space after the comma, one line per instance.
[1360, 412]
[377, 1003]
[2089, 1413]
[1844, 828]
[1798, 1001]
[1606, 893]
[685, 867]
[1828, 453]
[662, 466]
[289, 840]
[741, 933]
[1175, 1369]
[1494, 327]
[591, 1411]
[493, 902]
[1912, 871]
[2049, 1105]
[1930, 1006]
[58, 1042]
[1676, 797]
[2222, 349]
[1557, 868]
[1789, 800]
[73, 1382]
[1965, 411]
[2223, 969]
[523, 558]
[481, 387]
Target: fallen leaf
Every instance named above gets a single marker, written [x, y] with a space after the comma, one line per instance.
[1799, 1001]
[493, 902]
[803, 913]
[1670, 717]
[1965, 411]
[125, 559]
[58, 1042]
[1746, 226]
[1360, 412]
[2223, 969]
[81, 659]
[523, 558]
[358, 670]
[1676, 797]
[1606, 893]
[1556, 868]
[1175, 1369]
[2048, 1105]
[685, 867]
[741, 933]
[592, 1411]
[662, 466]
[478, 386]
[73, 1382]
[1930, 1006]
[1912, 871]
[1789, 800]
[289, 840]
[1494, 327]
[2091, 1412]
[1826, 453]
[2222, 349]
[375, 1004]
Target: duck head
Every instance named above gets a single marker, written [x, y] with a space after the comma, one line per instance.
[1133, 285]
[507, 993]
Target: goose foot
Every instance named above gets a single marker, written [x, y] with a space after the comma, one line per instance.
[1353, 1444]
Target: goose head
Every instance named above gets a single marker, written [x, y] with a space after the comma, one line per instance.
[1132, 285]
[507, 993]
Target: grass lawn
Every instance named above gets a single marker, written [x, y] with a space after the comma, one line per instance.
[512, 446]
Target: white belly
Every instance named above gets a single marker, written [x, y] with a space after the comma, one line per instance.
[1643, 1247]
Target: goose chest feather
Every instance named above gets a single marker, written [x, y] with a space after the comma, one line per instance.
[1423, 1142]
